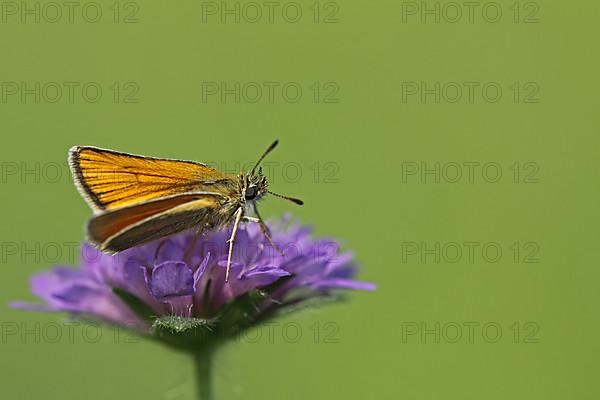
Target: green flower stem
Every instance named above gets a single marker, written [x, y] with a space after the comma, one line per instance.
[203, 373]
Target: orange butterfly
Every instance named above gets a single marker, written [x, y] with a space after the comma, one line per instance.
[138, 199]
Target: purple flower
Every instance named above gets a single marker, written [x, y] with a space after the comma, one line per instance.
[177, 285]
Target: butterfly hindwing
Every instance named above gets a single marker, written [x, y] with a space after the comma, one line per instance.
[118, 230]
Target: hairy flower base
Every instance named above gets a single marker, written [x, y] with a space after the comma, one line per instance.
[181, 325]
[174, 289]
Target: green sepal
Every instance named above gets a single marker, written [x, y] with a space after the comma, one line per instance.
[241, 312]
[184, 333]
[135, 304]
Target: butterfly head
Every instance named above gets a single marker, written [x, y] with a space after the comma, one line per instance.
[256, 184]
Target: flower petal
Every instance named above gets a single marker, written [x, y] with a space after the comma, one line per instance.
[265, 271]
[171, 279]
[200, 270]
[340, 283]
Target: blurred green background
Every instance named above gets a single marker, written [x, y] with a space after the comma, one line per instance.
[365, 127]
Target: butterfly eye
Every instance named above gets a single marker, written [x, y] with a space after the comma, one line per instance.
[250, 192]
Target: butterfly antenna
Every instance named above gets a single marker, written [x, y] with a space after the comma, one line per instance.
[267, 151]
[292, 199]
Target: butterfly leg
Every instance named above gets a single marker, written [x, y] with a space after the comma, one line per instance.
[159, 247]
[264, 229]
[238, 217]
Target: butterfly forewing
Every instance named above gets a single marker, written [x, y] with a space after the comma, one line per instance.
[109, 179]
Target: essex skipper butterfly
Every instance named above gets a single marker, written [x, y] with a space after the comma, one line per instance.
[138, 199]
